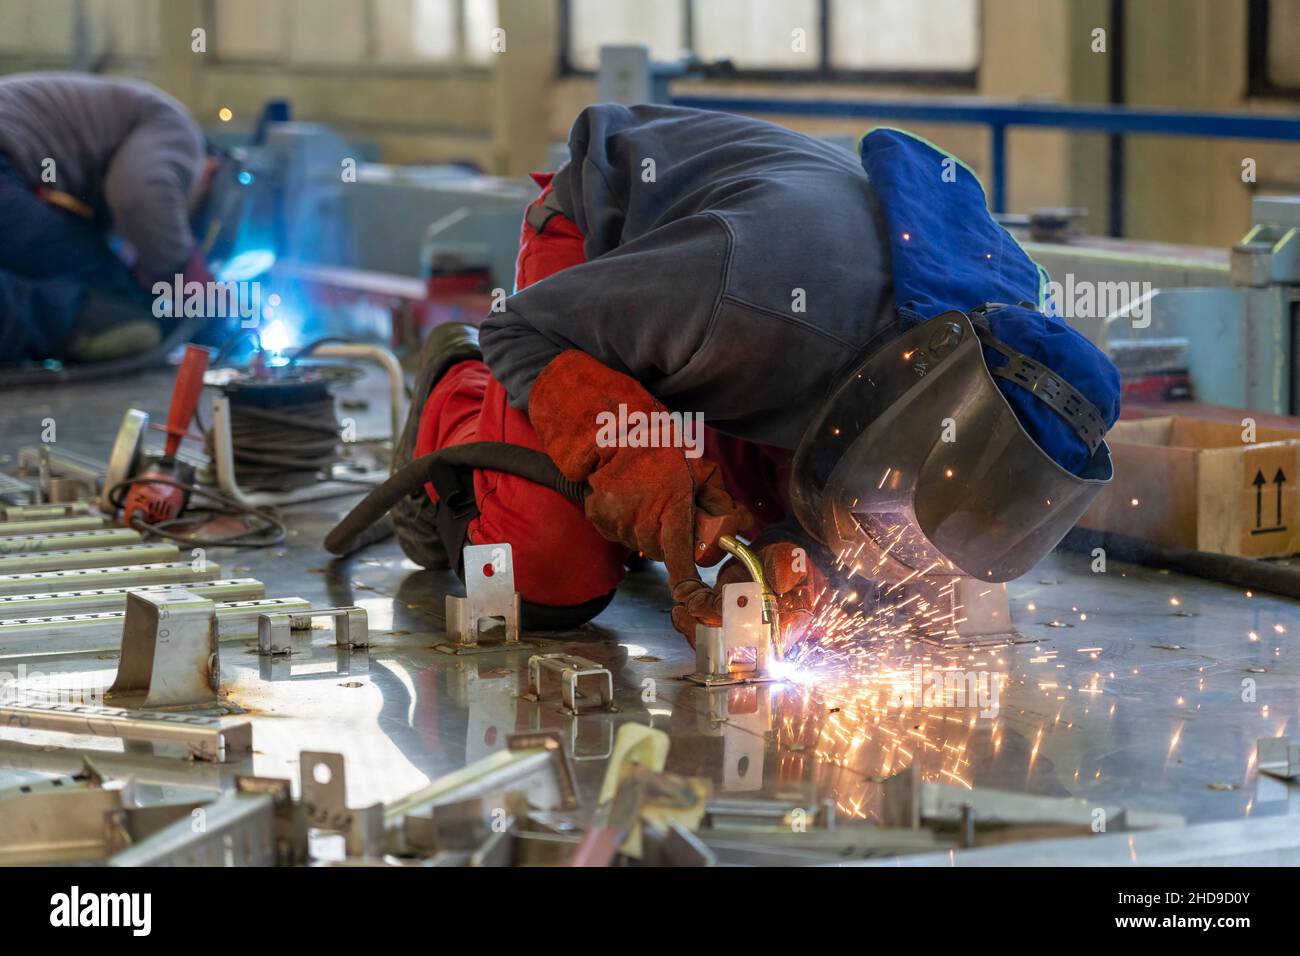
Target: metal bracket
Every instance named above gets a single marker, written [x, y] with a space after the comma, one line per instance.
[977, 612]
[275, 630]
[742, 628]
[490, 597]
[324, 795]
[1278, 757]
[169, 651]
[570, 669]
[205, 738]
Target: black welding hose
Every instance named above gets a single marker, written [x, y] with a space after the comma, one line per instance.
[526, 463]
[1224, 568]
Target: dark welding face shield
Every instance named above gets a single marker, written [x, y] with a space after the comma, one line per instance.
[216, 223]
[918, 465]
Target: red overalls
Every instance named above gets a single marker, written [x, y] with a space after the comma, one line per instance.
[560, 559]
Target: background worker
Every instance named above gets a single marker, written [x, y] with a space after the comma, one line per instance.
[100, 179]
[703, 262]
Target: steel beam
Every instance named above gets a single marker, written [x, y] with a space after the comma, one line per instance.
[98, 600]
[75, 579]
[87, 558]
[60, 635]
[205, 738]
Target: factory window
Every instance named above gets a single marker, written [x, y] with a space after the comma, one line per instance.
[1273, 37]
[83, 35]
[912, 41]
[355, 32]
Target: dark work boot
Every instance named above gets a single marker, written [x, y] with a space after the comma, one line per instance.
[413, 516]
[108, 327]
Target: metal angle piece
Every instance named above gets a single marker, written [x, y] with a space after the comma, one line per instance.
[743, 629]
[1278, 757]
[238, 829]
[324, 790]
[31, 542]
[57, 827]
[50, 582]
[99, 600]
[275, 630]
[490, 599]
[60, 635]
[88, 558]
[169, 652]
[205, 738]
[570, 669]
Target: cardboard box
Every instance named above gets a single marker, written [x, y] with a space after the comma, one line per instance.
[1199, 484]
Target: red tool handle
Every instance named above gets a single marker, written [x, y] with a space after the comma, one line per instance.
[185, 396]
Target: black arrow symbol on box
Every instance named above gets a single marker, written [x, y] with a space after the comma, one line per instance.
[1279, 479]
[1259, 483]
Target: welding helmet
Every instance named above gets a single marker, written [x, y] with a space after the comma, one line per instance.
[918, 464]
[217, 220]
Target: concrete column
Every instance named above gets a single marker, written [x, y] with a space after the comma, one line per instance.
[522, 80]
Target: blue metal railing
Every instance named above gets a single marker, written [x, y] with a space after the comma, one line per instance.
[1001, 116]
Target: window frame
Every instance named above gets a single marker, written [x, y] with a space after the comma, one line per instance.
[369, 65]
[824, 72]
[1259, 82]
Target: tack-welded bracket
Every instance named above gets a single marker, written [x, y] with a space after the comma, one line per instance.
[570, 669]
[324, 795]
[169, 652]
[275, 630]
[743, 629]
[975, 612]
[490, 600]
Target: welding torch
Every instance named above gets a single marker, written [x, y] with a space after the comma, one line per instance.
[707, 535]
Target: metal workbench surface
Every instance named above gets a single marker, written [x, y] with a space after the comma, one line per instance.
[1138, 688]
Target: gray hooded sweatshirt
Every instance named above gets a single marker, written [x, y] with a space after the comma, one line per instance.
[124, 148]
[735, 268]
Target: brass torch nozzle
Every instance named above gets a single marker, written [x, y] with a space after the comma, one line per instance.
[754, 565]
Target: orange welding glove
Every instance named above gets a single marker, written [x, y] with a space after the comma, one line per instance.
[793, 577]
[645, 498]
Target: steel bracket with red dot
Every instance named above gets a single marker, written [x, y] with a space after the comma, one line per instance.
[490, 603]
[722, 653]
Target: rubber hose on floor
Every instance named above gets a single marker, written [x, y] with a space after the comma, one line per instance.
[526, 463]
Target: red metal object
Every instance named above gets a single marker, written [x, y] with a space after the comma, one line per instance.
[150, 498]
[185, 397]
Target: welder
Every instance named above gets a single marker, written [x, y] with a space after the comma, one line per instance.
[103, 182]
[884, 387]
